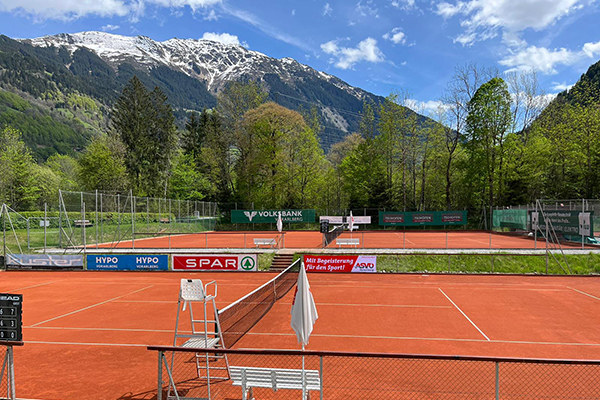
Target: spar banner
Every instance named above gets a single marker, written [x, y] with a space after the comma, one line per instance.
[321, 263]
[215, 262]
[127, 262]
[270, 216]
[44, 261]
[565, 222]
[433, 218]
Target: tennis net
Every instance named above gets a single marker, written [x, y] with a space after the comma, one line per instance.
[239, 317]
[332, 235]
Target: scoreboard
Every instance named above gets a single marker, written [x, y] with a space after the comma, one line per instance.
[11, 317]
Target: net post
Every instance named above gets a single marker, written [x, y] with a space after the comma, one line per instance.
[160, 378]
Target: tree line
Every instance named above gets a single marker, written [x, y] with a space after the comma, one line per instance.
[493, 142]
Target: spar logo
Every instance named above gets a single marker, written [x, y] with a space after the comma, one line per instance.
[250, 215]
[247, 263]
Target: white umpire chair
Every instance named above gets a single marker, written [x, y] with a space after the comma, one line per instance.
[205, 332]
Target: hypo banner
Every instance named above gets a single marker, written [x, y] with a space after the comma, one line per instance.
[270, 216]
[44, 261]
[127, 262]
[215, 262]
[319, 263]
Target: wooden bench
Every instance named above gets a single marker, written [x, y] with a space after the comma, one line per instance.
[348, 242]
[82, 222]
[265, 242]
[274, 378]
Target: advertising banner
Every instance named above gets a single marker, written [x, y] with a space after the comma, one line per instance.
[44, 261]
[127, 262]
[433, 218]
[512, 218]
[356, 263]
[336, 220]
[215, 262]
[270, 216]
[565, 222]
[584, 224]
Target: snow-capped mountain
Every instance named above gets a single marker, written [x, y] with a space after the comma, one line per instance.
[212, 62]
[190, 72]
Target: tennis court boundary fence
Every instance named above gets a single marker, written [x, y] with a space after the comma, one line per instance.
[346, 375]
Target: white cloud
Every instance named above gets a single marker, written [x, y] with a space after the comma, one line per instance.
[225, 38]
[366, 50]
[66, 9]
[403, 4]
[591, 49]
[481, 19]
[396, 36]
[265, 27]
[367, 9]
[544, 60]
[540, 59]
[293, 12]
[327, 10]
[73, 9]
[560, 87]
[211, 16]
[109, 27]
[426, 107]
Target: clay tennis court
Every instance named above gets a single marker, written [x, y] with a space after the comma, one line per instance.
[313, 239]
[86, 333]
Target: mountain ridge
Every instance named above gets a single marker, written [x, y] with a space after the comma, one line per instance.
[191, 72]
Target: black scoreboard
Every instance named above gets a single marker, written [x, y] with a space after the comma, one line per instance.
[11, 317]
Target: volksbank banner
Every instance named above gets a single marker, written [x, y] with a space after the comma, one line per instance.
[44, 261]
[270, 216]
[566, 222]
[432, 218]
[127, 262]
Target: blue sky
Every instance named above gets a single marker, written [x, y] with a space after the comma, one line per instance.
[378, 45]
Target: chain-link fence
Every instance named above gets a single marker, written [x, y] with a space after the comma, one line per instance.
[277, 374]
[102, 220]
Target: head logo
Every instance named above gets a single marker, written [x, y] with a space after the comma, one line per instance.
[250, 215]
[247, 263]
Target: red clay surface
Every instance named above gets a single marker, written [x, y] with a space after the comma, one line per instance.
[313, 239]
[86, 332]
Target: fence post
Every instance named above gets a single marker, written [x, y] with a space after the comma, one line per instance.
[60, 200]
[28, 241]
[497, 380]
[96, 211]
[45, 229]
[321, 373]
[132, 219]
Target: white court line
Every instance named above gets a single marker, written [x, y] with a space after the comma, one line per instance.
[465, 315]
[404, 238]
[92, 306]
[160, 301]
[87, 344]
[103, 329]
[378, 305]
[32, 286]
[587, 294]
[430, 339]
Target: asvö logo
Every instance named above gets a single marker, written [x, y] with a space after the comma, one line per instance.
[250, 215]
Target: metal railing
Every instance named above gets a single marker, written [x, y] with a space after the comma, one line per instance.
[382, 376]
